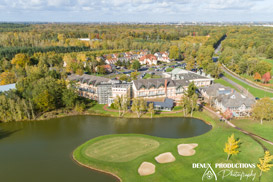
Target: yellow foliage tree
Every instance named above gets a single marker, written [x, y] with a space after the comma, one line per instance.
[20, 60]
[7, 78]
[265, 165]
[231, 146]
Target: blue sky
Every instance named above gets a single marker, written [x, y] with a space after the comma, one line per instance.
[135, 10]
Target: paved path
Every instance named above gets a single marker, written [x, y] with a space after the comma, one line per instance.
[246, 81]
[254, 136]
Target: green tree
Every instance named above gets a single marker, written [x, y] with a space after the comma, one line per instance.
[270, 52]
[136, 65]
[191, 90]
[69, 97]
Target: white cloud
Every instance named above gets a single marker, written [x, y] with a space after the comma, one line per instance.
[142, 8]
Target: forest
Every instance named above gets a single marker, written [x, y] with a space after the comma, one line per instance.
[247, 51]
[33, 55]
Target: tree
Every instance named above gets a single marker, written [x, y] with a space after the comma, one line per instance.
[134, 75]
[20, 60]
[265, 163]
[118, 104]
[174, 52]
[136, 65]
[69, 97]
[193, 103]
[7, 78]
[263, 67]
[263, 109]
[151, 109]
[228, 114]
[101, 70]
[266, 77]
[44, 101]
[139, 106]
[125, 103]
[232, 146]
[191, 90]
[214, 69]
[184, 103]
[270, 52]
[257, 77]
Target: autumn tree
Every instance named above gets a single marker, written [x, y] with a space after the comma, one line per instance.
[265, 162]
[266, 77]
[228, 114]
[20, 60]
[7, 78]
[174, 52]
[257, 77]
[231, 147]
[263, 109]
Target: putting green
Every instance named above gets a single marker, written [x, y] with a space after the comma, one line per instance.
[120, 149]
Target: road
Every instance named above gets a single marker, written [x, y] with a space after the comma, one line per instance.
[246, 81]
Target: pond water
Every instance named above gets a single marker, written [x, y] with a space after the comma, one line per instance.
[40, 151]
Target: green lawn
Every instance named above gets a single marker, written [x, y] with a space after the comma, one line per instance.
[210, 150]
[254, 91]
[264, 130]
[225, 83]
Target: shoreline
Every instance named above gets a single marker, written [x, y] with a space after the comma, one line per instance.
[93, 168]
[105, 115]
[86, 113]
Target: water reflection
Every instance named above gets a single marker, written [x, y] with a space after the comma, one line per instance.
[125, 125]
[41, 150]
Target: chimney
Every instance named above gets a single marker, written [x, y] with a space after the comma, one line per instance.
[166, 82]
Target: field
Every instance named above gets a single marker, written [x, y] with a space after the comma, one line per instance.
[263, 130]
[210, 150]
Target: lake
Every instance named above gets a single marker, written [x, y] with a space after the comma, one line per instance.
[40, 151]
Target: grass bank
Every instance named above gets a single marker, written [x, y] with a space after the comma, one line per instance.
[254, 91]
[210, 150]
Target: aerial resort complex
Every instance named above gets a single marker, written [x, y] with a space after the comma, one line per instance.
[136, 91]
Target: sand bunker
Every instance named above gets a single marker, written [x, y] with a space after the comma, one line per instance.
[186, 149]
[146, 168]
[165, 158]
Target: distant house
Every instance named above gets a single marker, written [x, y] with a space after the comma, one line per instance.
[4, 88]
[163, 57]
[224, 98]
[166, 105]
[149, 59]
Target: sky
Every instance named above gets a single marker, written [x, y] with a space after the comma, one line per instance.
[136, 10]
